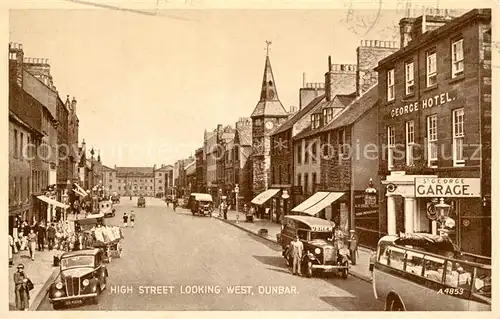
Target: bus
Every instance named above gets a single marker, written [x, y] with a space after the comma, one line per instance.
[423, 272]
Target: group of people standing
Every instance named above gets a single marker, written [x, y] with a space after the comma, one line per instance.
[31, 237]
[130, 216]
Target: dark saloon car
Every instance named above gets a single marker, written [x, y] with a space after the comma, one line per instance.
[82, 276]
[141, 202]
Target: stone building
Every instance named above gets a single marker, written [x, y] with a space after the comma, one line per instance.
[268, 115]
[190, 175]
[161, 179]
[434, 111]
[109, 180]
[282, 155]
[73, 127]
[242, 159]
[201, 183]
[135, 181]
[64, 177]
[210, 145]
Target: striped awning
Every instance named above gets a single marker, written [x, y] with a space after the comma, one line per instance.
[263, 197]
[52, 201]
[317, 202]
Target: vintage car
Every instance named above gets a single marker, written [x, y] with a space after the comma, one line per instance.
[82, 276]
[200, 204]
[90, 221]
[141, 202]
[115, 199]
[106, 208]
[321, 253]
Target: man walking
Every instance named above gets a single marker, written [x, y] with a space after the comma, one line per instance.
[41, 236]
[132, 218]
[297, 250]
[125, 219]
[51, 236]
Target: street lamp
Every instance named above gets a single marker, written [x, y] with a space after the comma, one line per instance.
[444, 211]
[285, 197]
[236, 191]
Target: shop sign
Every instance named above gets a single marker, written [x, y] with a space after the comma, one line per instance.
[447, 187]
[437, 100]
[365, 205]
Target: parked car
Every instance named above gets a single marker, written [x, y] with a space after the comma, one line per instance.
[322, 252]
[82, 276]
[115, 199]
[200, 204]
[106, 208]
[141, 202]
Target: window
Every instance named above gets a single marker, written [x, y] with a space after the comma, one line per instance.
[433, 268]
[342, 142]
[431, 68]
[299, 154]
[391, 144]
[289, 178]
[306, 183]
[306, 156]
[150, 187]
[410, 78]
[110, 186]
[414, 263]
[410, 142]
[458, 137]
[328, 114]
[432, 146]
[110, 174]
[314, 150]
[457, 58]
[279, 174]
[299, 180]
[458, 275]
[119, 188]
[396, 258]
[140, 187]
[317, 120]
[16, 144]
[21, 190]
[390, 85]
[314, 182]
[159, 174]
[21, 142]
[111, 181]
[119, 181]
[151, 181]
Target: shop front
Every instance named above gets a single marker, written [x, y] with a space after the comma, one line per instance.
[268, 204]
[326, 205]
[437, 205]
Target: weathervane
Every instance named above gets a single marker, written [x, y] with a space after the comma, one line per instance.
[268, 43]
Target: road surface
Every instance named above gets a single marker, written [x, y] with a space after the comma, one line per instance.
[201, 263]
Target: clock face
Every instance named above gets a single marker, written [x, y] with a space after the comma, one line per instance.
[269, 125]
[271, 94]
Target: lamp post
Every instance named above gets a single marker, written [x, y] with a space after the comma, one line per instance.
[236, 191]
[445, 221]
[285, 197]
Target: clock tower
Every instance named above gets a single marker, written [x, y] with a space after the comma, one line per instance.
[268, 115]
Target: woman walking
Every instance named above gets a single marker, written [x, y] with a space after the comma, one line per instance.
[21, 289]
[32, 243]
[132, 218]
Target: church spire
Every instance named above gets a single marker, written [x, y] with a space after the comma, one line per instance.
[269, 103]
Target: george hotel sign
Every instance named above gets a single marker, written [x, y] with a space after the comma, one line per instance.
[447, 187]
[425, 103]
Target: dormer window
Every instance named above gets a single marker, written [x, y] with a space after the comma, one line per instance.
[316, 121]
[327, 114]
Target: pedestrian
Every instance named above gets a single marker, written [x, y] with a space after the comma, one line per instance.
[51, 235]
[26, 232]
[373, 256]
[32, 243]
[41, 232]
[225, 209]
[297, 249]
[11, 247]
[132, 218]
[174, 203]
[22, 282]
[125, 219]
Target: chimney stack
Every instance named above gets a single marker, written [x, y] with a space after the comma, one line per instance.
[16, 58]
[340, 79]
[369, 53]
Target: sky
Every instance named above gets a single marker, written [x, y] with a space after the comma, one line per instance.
[148, 86]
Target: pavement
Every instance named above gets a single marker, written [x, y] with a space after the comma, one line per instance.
[360, 269]
[177, 261]
[40, 271]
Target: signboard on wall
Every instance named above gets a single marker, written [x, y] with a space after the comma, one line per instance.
[365, 206]
[447, 187]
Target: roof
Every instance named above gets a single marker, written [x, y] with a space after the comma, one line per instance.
[106, 168]
[311, 221]
[134, 171]
[269, 103]
[432, 36]
[354, 111]
[93, 251]
[244, 135]
[165, 168]
[300, 114]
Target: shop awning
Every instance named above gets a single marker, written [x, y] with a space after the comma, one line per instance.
[52, 201]
[317, 202]
[263, 197]
[81, 190]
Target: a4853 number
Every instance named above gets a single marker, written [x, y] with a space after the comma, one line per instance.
[451, 291]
